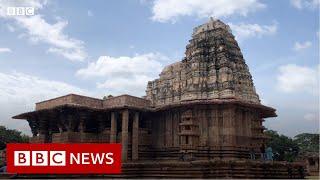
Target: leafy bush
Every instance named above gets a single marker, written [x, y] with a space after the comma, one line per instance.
[11, 136]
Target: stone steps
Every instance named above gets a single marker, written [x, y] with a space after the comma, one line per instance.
[199, 169]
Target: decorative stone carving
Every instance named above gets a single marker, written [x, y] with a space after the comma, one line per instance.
[213, 68]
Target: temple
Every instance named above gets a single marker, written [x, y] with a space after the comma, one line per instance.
[202, 113]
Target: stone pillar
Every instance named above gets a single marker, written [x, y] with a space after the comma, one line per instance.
[81, 126]
[34, 125]
[168, 126]
[135, 137]
[176, 136]
[43, 129]
[124, 135]
[229, 131]
[52, 126]
[101, 123]
[70, 123]
[113, 129]
[83, 117]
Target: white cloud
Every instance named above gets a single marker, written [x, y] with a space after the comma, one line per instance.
[29, 89]
[73, 54]
[89, 13]
[302, 4]
[124, 74]
[5, 50]
[124, 65]
[243, 31]
[11, 28]
[294, 78]
[135, 85]
[19, 93]
[39, 30]
[171, 10]
[311, 117]
[301, 46]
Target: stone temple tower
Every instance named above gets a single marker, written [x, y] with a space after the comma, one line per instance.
[213, 68]
[212, 94]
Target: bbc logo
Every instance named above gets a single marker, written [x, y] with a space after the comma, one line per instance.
[53, 158]
[39, 158]
[20, 11]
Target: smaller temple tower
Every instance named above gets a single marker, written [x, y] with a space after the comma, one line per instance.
[189, 132]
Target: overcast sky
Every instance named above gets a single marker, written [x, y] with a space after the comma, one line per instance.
[100, 47]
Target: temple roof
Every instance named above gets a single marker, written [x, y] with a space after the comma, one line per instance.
[89, 104]
[265, 111]
[85, 101]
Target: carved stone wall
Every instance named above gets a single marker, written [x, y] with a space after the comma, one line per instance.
[125, 100]
[206, 130]
[213, 68]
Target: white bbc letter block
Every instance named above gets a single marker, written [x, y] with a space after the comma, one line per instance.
[57, 158]
[21, 158]
[11, 11]
[29, 11]
[20, 11]
[39, 158]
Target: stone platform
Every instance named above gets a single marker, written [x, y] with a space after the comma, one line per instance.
[200, 169]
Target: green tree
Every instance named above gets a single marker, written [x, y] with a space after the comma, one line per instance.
[307, 142]
[11, 136]
[284, 148]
